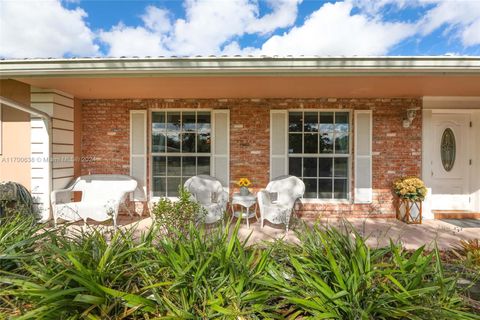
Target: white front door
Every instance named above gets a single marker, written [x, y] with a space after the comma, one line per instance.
[449, 176]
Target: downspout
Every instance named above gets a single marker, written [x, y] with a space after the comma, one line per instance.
[48, 125]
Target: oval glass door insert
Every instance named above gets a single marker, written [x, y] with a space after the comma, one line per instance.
[448, 149]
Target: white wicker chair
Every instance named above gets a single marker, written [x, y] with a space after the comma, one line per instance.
[102, 195]
[209, 193]
[277, 201]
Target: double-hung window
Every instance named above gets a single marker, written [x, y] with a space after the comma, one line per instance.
[319, 152]
[181, 148]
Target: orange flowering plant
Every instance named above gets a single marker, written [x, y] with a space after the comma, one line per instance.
[411, 188]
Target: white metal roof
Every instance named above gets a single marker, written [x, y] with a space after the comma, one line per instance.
[240, 65]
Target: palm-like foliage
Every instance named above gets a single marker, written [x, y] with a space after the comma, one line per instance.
[212, 274]
[335, 275]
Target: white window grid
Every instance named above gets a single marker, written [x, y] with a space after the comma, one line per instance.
[319, 155]
[168, 154]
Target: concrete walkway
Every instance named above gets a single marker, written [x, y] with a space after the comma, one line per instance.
[377, 231]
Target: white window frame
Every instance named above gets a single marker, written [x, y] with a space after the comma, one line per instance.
[349, 156]
[190, 154]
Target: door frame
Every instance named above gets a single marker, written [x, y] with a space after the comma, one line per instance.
[427, 151]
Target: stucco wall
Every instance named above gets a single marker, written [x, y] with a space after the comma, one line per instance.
[396, 150]
[15, 148]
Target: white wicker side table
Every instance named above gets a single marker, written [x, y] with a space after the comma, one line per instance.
[245, 203]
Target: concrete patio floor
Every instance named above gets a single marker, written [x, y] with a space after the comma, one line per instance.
[378, 231]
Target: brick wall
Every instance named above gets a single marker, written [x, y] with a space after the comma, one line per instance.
[396, 150]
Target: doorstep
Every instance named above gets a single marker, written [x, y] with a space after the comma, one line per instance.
[455, 214]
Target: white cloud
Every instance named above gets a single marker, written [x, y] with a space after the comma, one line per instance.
[133, 41]
[351, 27]
[284, 13]
[147, 40]
[462, 18]
[333, 30]
[43, 29]
[205, 30]
[157, 19]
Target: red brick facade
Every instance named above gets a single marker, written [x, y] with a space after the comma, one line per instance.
[396, 150]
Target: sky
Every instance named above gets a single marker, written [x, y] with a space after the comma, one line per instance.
[116, 28]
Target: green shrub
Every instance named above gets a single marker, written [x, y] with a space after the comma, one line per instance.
[212, 274]
[18, 234]
[175, 216]
[335, 275]
[468, 252]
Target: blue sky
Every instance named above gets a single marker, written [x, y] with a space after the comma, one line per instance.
[79, 28]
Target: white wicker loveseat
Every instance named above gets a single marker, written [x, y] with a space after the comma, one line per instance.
[101, 194]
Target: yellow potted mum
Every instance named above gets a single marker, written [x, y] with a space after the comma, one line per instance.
[411, 191]
[244, 183]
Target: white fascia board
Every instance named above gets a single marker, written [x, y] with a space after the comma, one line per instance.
[240, 66]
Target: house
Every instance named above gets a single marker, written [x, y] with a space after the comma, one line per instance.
[347, 126]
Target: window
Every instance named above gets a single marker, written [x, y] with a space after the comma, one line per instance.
[181, 148]
[448, 149]
[319, 152]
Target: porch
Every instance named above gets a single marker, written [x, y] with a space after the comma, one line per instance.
[378, 231]
[347, 127]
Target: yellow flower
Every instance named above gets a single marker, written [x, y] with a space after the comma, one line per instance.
[410, 188]
[243, 182]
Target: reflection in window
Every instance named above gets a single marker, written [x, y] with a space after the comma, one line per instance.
[180, 149]
[448, 149]
[319, 152]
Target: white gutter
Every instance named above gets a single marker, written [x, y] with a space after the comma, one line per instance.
[48, 125]
[16, 105]
[88, 67]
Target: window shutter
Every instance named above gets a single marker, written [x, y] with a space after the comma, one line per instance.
[138, 152]
[220, 148]
[278, 143]
[363, 156]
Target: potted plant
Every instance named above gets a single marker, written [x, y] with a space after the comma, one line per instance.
[411, 191]
[244, 183]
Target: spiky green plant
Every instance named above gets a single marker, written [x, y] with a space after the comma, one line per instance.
[95, 275]
[212, 274]
[335, 275]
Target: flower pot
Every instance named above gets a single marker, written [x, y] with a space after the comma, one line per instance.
[409, 211]
[244, 191]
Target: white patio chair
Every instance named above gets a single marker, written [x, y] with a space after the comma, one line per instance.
[102, 195]
[276, 202]
[209, 193]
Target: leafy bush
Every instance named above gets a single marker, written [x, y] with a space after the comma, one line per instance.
[212, 274]
[334, 275]
[469, 253]
[18, 234]
[175, 216]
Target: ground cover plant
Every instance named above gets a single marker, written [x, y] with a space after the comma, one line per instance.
[212, 274]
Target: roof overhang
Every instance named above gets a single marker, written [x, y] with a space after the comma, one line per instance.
[250, 77]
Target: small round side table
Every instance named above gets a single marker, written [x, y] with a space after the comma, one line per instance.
[245, 202]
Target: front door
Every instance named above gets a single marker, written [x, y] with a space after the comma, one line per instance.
[450, 162]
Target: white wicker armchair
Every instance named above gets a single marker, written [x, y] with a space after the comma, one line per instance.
[102, 195]
[277, 201]
[209, 193]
